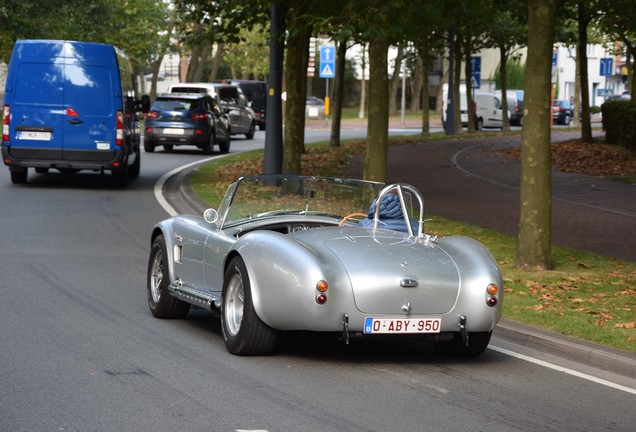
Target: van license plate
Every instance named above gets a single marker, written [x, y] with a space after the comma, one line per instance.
[402, 325]
[34, 136]
[173, 131]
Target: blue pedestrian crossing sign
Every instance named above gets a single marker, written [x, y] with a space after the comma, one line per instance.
[327, 61]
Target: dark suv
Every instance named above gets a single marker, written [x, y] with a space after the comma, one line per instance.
[186, 119]
[256, 94]
[562, 112]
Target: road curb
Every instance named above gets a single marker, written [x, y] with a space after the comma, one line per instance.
[614, 360]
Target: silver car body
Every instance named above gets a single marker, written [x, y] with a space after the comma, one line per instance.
[288, 232]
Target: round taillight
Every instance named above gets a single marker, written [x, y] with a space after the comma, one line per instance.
[492, 301]
[321, 298]
[322, 286]
[492, 289]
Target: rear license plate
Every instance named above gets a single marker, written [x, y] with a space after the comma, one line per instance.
[173, 131]
[34, 136]
[402, 325]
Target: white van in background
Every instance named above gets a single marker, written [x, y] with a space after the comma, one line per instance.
[487, 109]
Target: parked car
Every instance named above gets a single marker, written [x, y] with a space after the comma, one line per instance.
[231, 99]
[186, 119]
[71, 106]
[285, 253]
[314, 108]
[562, 111]
[256, 94]
[515, 106]
[486, 108]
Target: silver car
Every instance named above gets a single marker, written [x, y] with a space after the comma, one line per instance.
[289, 252]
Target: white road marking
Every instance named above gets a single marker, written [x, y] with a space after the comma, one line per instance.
[563, 369]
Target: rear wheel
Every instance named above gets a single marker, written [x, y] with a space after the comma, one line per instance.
[135, 168]
[243, 331]
[224, 146]
[149, 146]
[19, 176]
[207, 147]
[479, 124]
[477, 344]
[162, 304]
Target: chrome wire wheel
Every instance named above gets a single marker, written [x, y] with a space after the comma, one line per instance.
[156, 275]
[234, 304]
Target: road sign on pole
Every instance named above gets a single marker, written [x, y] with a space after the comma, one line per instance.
[607, 66]
[327, 61]
[475, 80]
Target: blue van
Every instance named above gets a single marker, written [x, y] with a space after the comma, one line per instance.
[71, 106]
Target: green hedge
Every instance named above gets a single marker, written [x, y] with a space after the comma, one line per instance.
[619, 122]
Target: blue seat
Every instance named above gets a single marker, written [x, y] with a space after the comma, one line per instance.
[390, 217]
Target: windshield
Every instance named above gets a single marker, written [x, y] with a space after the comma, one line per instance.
[267, 196]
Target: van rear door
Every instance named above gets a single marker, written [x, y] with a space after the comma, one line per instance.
[90, 118]
[37, 111]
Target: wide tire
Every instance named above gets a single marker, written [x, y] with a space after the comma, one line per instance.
[477, 344]
[149, 147]
[243, 331]
[19, 177]
[162, 304]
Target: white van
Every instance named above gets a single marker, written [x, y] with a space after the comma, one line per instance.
[487, 108]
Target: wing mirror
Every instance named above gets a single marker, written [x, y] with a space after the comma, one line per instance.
[210, 216]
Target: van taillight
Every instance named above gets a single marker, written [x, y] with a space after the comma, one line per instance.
[6, 114]
[119, 138]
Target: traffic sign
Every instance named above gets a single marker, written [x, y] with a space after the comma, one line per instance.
[327, 70]
[475, 64]
[475, 80]
[327, 61]
[606, 66]
[605, 92]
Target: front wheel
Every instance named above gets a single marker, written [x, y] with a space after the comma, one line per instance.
[243, 331]
[209, 145]
[162, 304]
[477, 344]
[250, 134]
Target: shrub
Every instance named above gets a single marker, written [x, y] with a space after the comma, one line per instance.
[619, 122]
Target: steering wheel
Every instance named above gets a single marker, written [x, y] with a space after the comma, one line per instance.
[349, 216]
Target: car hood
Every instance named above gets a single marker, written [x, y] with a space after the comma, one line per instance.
[389, 271]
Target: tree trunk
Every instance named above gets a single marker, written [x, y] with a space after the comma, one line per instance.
[395, 80]
[216, 62]
[503, 59]
[535, 229]
[338, 85]
[195, 57]
[296, 86]
[378, 124]
[586, 124]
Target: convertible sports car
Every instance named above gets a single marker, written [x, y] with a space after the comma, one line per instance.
[285, 253]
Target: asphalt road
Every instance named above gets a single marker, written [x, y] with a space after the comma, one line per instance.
[79, 350]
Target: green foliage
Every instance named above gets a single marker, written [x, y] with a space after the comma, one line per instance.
[619, 122]
[515, 74]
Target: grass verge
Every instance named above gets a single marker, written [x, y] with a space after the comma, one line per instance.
[587, 296]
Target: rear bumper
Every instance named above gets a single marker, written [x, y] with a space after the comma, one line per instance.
[189, 138]
[17, 158]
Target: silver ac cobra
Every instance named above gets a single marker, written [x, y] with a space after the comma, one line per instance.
[290, 252]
